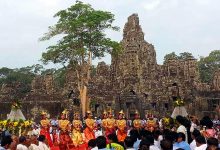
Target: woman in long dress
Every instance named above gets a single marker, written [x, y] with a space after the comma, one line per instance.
[45, 127]
[90, 126]
[121, 125]
[77, 136]
[65, 127]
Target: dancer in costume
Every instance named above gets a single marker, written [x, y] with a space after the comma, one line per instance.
[90, 126]
[45, 127]
[121, 125]
[64, 125]
[77, 137]
[104, 122]
[151, 123]
[137, 121]
[110, 123]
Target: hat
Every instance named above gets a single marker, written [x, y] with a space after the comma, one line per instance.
[88, 112]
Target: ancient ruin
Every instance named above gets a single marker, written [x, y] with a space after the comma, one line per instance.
[133, 81]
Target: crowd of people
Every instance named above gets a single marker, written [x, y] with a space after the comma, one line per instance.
[110, 133]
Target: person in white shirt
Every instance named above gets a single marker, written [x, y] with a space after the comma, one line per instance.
[200, 143]
[21, 145]
[182, 128]
[34, 144]
[42, 144]
[194, 135]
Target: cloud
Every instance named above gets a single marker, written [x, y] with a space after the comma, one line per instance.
[151, 5]
[170, 25]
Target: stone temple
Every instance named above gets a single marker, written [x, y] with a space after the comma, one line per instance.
[133, 81]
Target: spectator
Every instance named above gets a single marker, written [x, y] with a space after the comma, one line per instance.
[5, 142]
[166, 144]
[180, 141]
[34, 144]
[212, 141]
[22, 143]
[144, 145]
[101, 142]
[92, 144]
[194, 134]
[42, 144]
[136, 137]
[129, 143]
[200, 143]
[113, 142]
[157, 138]
[150, 139]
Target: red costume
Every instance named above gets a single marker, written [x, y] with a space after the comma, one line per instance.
[45, 127]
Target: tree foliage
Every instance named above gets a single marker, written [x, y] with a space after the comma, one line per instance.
[83, 31]
[181, 56]
[83, 39]
[207, 65]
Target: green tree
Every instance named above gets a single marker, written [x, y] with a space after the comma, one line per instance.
[83, 38]
[207, 65]
[170, 56]
[181, 56]
[185, 56]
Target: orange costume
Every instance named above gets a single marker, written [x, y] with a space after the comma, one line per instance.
[64, 124]
[110, 127]
[45, 126]
[121, 125]
[104, 121]
[137, 121]
[151, 124]
[90, 125]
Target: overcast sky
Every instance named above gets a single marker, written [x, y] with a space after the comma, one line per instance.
[170, 25]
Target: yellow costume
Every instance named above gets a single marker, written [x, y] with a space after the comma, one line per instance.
[137, 121]
[76, 134]
[64, 126]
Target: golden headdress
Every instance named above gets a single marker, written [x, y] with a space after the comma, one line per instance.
[136, 112]
[121, 112]
[76, 113]
[104, 112]
[110, 111]
[43, 113]
[65, 112]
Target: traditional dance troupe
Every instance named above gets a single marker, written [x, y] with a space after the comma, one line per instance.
[109, 133]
